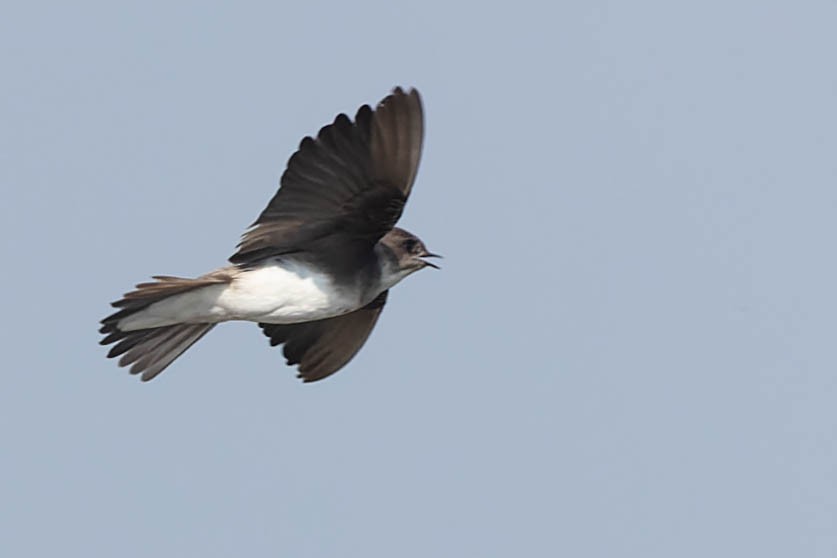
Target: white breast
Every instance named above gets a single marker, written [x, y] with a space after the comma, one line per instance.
[281, 293]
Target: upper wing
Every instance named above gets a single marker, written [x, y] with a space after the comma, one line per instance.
[352, 180]
[323, 347]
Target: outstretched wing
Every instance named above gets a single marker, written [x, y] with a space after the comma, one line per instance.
[349, 185]
[323, 347]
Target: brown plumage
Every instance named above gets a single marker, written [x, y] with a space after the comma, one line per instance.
[345, 189]
[323, 347]
[339, 199]
[150, 351]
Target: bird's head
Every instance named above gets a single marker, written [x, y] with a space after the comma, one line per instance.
[404, 253]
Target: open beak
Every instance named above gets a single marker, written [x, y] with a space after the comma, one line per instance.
[430, 255]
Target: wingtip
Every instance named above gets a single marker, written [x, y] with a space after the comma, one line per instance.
[399, 90]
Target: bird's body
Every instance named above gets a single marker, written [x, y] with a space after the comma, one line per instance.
[279, 290]
[276, 292]
[314, 270]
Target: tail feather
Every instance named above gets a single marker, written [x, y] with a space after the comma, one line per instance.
[150, 351]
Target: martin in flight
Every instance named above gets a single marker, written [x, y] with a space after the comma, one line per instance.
[314, 269]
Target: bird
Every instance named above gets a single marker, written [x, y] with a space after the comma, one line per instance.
[315, 268]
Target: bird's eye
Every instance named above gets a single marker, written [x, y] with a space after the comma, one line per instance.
[410, 245]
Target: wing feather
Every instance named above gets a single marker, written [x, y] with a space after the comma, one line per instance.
[323, 347]
[347, 185]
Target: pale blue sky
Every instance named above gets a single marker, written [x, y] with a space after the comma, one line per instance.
[630, 350]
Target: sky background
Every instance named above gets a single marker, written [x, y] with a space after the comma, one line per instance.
[630, 350]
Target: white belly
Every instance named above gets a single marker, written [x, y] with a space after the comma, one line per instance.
[276, 293]
[282, 294]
